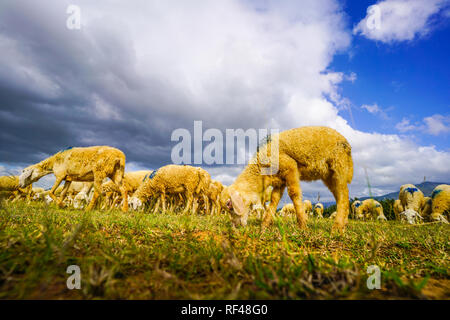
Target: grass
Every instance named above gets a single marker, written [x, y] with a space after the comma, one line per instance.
[170, 256]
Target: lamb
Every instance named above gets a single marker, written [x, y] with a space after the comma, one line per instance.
[410, 197]
[306, 153]
[80, 164]
[172, 180]
[370, 209]
[318, 210]
[441, 203]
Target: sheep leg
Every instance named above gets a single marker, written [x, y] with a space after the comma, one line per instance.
[155, 210]
[340, 192]
[295, 193]
[97, 191]
[67, 184]
[275, 199]
[194, 205]
[163, 201]
[118, 181]
[188, 203]
[55, 186]
[115, 201]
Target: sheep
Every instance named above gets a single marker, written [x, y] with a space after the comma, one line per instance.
[81, 197]
[35, 192]
[307, 205]
[12, 186]
[9, 183]
[306, 153]
[410, 197]
[318, 210]
[441, 203]
[80, 164]
[398, 208]
[333, 215]
[370, 209]
[213, 193]
[354, 209]
[172, 179]
[131, 181]
[258, 209]
[426, 208]
[287, 210]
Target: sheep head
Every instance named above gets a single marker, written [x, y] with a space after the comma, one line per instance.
[233, 202]
[410, 216]
[30, 175]
[80, 200]
[135, 203]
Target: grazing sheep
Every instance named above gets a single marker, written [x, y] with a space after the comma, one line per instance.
[9, 183]
[12, 186]
[370, 209]
[307, 205]
[131, 181]
[410, 197]
[258, 209]
[172, 180]
[333, 215]
[398, 208]
[426, 208]
[318, 210]
[287, 210]
[81, 198]
[354, 208]
[213, 193]
[441, 203]
[80, 164]
[308, 154]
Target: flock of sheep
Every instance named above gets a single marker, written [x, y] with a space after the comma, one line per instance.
[307, 153]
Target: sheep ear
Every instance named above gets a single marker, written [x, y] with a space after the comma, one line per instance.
[238, 203]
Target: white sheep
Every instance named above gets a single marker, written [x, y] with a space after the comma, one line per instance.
[308, 154]
[172, 180]
[80, 164]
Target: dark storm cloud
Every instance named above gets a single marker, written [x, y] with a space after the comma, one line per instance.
[53, 83]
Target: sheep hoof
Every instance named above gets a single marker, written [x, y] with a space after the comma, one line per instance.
[338, 228]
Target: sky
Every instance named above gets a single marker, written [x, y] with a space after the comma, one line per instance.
[376, 71]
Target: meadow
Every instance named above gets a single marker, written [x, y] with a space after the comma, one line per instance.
[139, 255]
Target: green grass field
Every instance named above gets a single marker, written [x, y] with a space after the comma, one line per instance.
[170, 256]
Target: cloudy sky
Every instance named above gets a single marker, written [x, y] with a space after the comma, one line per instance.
[137, 70]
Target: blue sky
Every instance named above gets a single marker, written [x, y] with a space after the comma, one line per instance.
[407, 79]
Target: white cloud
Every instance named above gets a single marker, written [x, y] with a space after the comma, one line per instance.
[405, 126]
[376, 110]
[435, 125]
[399, 20]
